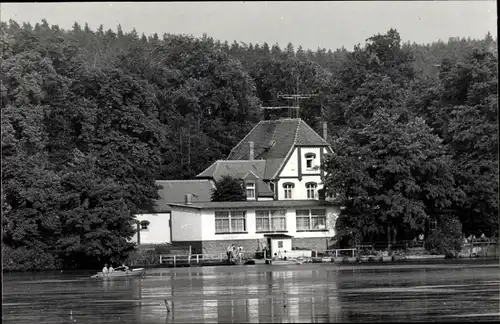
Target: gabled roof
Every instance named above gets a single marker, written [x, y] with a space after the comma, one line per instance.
[273, 141]
[234, 169]
[241, 169]
[173, 191]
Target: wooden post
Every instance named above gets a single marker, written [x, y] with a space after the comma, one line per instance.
[174, 260]
[189, 259]
[197, 258]
[138, 225]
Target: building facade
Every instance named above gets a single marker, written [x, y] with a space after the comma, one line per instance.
[279, 162]
[280, 225]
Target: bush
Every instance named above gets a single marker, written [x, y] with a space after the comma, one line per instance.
[24, 259]
[447, 238]
[143, 258]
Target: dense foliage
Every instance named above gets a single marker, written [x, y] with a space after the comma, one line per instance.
[228, 188]
[90, 118]
[417, 149]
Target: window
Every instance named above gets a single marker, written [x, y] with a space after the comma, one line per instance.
[250, 190]
[310, 219]
[311, 190]
[432, 224]
[144, 225]
[280, 244]
[288, 190]
[270, 220]
[310, 160]
[233, 221]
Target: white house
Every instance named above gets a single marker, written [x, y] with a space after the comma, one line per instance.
[278, 160]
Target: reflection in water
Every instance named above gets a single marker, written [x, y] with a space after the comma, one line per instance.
[306, 293]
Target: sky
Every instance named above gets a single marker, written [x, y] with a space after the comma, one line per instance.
[324, 24]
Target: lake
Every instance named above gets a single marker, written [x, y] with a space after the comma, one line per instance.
[445, 291]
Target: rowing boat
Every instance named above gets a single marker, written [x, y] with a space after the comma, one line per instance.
[131, 273]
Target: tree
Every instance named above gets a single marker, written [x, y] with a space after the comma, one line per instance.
[472, 132]
[390, 175]
[229, 189]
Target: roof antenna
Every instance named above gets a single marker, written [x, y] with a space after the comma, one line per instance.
[293, 111]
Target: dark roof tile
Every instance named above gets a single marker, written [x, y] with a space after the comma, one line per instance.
[174, 191]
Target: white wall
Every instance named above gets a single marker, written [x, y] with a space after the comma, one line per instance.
[207, 225]
[308, 175]
[158, 231]
[291, 167]
[187, 224]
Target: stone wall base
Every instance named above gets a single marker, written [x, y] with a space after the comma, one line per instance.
[309, 243]
[216, 247]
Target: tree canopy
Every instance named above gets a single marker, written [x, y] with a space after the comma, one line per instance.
[91, 118]
[229, 189]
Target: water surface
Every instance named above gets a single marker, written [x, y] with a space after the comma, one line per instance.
[445, 291]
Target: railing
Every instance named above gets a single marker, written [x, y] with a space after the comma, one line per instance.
[184, 259]
[479, 248]
[335, 253]
[177, 259]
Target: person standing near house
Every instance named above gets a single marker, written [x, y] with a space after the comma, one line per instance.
[229, 251]
[240, 252]
[234, 252]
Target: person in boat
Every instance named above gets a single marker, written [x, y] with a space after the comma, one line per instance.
[111, 269]
[123, 267]
[105, 270]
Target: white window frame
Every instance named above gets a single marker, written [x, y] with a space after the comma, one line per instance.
[250, 186]
[310, 157]
[275, 219]
[311, 190]
[314, 218]
[232, 218]
[288, 190]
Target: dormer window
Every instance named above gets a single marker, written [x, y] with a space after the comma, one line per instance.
[310, 160]
[288, 187]
[311, 190]
[250, 186]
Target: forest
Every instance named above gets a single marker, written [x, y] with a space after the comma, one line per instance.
[92, 117]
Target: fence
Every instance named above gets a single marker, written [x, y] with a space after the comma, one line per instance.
[188, 259]
[335, 253]
[479, 249]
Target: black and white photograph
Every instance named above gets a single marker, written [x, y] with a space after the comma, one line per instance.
[249, 162]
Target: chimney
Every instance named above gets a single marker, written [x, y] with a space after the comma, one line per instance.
[325, 131]
[188, 199]
[250, 151]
